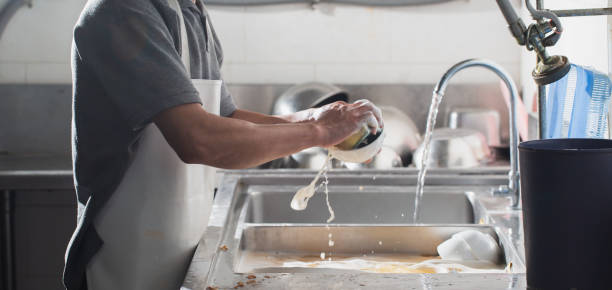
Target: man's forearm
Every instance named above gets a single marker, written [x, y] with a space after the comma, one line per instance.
[233, 143]
[240, 144]
[259, 118]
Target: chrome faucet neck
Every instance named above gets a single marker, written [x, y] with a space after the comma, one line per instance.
[513, 176]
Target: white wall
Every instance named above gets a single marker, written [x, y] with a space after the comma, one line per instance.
[35, 47]
[295, 43]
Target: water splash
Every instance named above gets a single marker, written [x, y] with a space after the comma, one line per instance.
[332, 215]
[436, 99]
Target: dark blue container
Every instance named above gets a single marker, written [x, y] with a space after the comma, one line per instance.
[566, 187]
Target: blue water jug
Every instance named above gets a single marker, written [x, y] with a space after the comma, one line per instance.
[577, 105]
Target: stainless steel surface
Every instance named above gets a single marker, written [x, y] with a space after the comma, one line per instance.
[307, 95]
[403, 136]
[360, 206]
[482, 120]
[36, 172]
[214, 260]
[513, 183]
[541, 94]
[455, 148]
[260, 243]
[45, 174]
[542, 111]
[351, 239]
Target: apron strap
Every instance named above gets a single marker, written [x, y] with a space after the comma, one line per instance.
[184, 39]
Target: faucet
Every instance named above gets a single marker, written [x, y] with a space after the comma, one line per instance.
[513, 183]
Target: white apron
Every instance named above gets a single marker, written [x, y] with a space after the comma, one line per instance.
[154, 220]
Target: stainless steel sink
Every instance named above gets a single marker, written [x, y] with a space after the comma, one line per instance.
[251, 217]
[265, 248]
[362, 207]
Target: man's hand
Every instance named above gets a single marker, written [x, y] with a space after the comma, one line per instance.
[339, 120]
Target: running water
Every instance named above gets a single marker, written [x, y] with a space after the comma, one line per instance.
[302, 196]
[332, 215]
[431, 123]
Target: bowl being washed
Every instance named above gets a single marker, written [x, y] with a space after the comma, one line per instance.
[364, 151]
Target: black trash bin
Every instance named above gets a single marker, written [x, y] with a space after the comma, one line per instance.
[566, 187]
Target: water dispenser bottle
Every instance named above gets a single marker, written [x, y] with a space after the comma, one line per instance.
[577, 104]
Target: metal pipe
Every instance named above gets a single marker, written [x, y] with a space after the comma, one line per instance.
[542, 128]
[383, 3]
[513, 175]
[508, 11]
[7, 11]
[541, 94]
[515, 24]
[583, 12]
[7, 225]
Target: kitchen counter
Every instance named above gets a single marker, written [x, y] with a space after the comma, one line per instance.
[225, 213]
[37, 201]
[35, 171]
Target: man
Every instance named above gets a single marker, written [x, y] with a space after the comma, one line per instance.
[130, 76]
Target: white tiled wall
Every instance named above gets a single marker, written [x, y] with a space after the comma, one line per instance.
[35, 47]
[349, 44]
[295, 43]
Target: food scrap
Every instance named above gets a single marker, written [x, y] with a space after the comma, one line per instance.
[251, 282]
[223, 248]
[239, 285]
[251, 277]
[267, 277]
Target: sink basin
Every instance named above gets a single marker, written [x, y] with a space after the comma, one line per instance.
[361, 207]
[252, 228]
[306, 248]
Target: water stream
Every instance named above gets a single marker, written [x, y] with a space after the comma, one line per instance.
[436, 99]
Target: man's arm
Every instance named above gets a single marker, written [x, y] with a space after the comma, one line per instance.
[203, 138]
[307, 115]
[259, 118]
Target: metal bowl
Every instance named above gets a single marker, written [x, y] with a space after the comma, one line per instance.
[455, 148]
[308, 95]
[486, 121]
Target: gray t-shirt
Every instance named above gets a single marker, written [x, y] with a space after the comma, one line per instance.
[127, 68]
